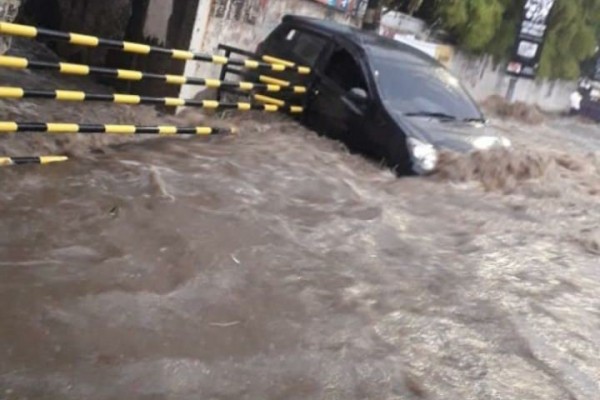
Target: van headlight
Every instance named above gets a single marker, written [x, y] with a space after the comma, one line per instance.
[424, 156]
[487, 142]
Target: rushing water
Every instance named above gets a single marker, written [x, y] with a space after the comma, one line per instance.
[275, 265]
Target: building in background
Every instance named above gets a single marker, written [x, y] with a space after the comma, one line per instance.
[8, 12]
[414, 32]
[245, 23]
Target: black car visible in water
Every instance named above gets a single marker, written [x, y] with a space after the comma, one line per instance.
[380, 97]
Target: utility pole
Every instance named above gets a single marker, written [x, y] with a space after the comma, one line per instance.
[372, 16]
[510, 91]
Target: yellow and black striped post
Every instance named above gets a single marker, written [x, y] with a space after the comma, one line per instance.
[273, 64]
[270, 104]
[269, 84]
[268, 100]
[274, 60]
[269, 80]
[162, 130]
[6, 161]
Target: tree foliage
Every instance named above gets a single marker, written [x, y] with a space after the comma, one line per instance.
[490, 27]
[473, 22]
[572, 38]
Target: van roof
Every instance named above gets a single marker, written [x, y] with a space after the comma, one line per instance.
[363, 39]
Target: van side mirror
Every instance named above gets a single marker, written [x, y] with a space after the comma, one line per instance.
[359, 95]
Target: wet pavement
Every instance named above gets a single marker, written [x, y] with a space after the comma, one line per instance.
[275, 265]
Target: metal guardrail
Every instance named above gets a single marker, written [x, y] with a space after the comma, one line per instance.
[269, 104]
[79, 39]
[264, 79]
[266, 83]
[7, 161]
[59, 127]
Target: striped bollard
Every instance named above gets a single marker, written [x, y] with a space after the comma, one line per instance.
[42, 160]
[272, 63]
[59, 127]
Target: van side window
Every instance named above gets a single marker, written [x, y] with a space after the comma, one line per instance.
[304, 45]
[345, 71]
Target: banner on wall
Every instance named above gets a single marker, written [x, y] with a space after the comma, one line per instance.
[530, 39]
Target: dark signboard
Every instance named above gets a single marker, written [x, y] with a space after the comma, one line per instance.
[530, 38]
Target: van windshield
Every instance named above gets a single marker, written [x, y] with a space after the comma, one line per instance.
[415, 85]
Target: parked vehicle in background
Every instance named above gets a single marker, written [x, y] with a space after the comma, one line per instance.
[380, 97]
[585, 101]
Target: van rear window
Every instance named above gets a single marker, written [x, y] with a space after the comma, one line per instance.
[306, 46]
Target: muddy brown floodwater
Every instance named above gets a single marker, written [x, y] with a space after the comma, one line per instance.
[275, 265]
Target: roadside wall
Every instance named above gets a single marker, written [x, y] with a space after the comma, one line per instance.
[156, 23]
[165, 23]
[244, 24]
[8, 12]
[482, 78]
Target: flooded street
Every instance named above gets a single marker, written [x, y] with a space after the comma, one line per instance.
[275, 265]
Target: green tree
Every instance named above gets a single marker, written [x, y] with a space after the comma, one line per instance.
[473, 23]
[490, 26]
[572, 38]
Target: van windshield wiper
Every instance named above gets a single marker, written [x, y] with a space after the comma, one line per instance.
[433, 114]
[482, 120]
